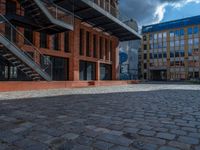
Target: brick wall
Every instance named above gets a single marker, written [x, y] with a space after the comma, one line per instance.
[74, 42]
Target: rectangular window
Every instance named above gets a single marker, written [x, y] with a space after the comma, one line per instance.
[151, 56]
[177, 33]
[145, 56]
[189, 52]
[87, 70]
[171, 54]
[28, 34]
[160, 45]
[11, 7]
[101, 48]
[88, 44]
[182, 32]
[171, 34]
[155, 36]
[145, 66]
[177, 43]
[43, 40]
[150, 46]
[196, 30]
[160, 35]
[81, 42]
[182, 53]
[171, 43]
[111, 50]
[196, 41]
[145, 47]
[164, 55]
[164, 35]
[189, 31]
[182, 43]
[55, 41]
[105, 72]
[144, 37]
[150, 37]
[67, 49]
[95, 46]
[176, 54]
[164, 44]
[106, 49]
[190, 41]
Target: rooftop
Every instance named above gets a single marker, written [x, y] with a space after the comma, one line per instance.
[195, 20]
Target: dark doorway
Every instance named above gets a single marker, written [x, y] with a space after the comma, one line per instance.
[87, 70]
[106, 72]
[159, 75]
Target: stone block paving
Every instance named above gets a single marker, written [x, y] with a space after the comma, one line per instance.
[134, 117]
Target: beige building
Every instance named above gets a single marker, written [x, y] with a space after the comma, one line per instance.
[170, 50]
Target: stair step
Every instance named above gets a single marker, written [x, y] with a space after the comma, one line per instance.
[11, 58]
[27, 72]
[16, 62]
[7, 55]
[37, 78]
[38, 14]
[28, 6]
[26, 68]
[33, 75]
[33, 10]
[21, 65]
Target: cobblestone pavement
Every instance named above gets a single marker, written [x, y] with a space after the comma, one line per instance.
[133, 117]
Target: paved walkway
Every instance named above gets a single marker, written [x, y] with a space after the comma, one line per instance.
[133, 117]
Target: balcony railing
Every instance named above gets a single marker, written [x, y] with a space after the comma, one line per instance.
[105, 5]
[59, 13]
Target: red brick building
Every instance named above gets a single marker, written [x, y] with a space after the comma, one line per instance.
[61, 40]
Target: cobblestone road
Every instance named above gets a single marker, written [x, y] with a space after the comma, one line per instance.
[133, 117]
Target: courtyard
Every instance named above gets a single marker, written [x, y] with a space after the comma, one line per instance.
[133, 117]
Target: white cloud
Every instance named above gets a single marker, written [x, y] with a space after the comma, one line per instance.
[150, 11]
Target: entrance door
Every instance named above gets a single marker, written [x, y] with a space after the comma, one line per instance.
[159, 75]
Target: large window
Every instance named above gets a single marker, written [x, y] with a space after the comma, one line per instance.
[81, 42]
[155, 37]
[10, 73]
[171, 34]
[145, 47]
[88, 44]
[101, 48]
[87, 70]
[111, 50]
[10, 7]
[43, 40]
[67, 46]
[60, 67]
[105, 72]
[182, 32]
[189, 31]
[196, 30]
[94, 46]
[28, 33]
[55, 42]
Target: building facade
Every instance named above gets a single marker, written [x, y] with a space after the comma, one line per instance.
[61, 40]
[171, 50]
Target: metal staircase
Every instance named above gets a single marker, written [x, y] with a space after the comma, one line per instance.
[11, 42]
[48, 15]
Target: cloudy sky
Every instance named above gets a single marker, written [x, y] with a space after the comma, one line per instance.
[154, 11]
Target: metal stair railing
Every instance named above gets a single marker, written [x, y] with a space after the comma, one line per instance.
[17, 40]
[56, 14]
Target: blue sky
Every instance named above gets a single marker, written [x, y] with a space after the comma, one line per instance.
[148, 12]
[190, 9]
